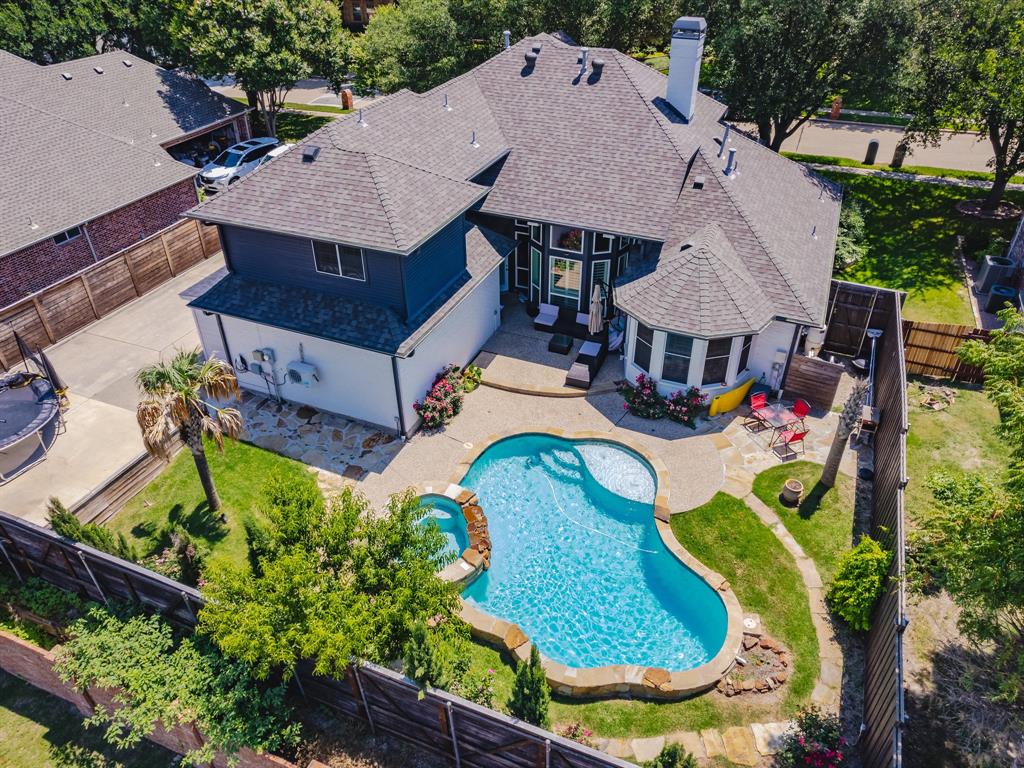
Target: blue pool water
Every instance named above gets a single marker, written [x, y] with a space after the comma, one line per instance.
[578, 563]
[448, 517]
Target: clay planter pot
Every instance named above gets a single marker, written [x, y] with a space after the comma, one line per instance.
[792, 491]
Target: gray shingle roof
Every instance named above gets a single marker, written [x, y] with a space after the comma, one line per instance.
[78, 148]
[700, 284]
[605, 153]
[357, 323]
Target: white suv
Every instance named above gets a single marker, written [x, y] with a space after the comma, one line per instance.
[233, 163]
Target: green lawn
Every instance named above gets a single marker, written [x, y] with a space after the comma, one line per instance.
[911, 236]
[823, 523]
[295, 105]
[729, 538]
[40, 730]
[961, 437]
[176, 496]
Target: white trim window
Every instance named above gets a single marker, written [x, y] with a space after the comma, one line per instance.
[603, 243]
[623, 263]
[643, 347]
[67, 235]
[744, 353]
[678, 352]
[536, 259]
[535, 233]
[339, 260]
[520, 223]
[566, 238]
[565, 281]
[600, 274]
[716, 361]
[522, 261]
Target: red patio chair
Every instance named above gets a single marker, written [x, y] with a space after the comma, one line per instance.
[801, 409]
[788, 438]
[754, 420]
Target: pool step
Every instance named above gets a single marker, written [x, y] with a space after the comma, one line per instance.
[560, 467]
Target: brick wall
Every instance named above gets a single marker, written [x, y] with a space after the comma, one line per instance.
[242, 126]
[34, 665]
[33, 268]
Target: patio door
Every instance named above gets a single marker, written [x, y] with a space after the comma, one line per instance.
[535, 259]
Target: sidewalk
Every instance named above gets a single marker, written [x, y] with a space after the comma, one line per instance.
[901, 176]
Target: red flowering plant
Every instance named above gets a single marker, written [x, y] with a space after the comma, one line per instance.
[683, 406]
[643, 399]
[444, 400]
[571, 240]
[577, 732]
[814, 742]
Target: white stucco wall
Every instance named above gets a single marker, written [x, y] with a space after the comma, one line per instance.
[456, 339]
[353, 382]
[769, 347]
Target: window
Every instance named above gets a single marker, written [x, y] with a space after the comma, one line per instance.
[603, 243]
[228, 158]
[716, 362]
[566, 279]
[520, 223]
[642, 347]
[339, 260]
[678, 350]
[535, 233]
[535, 261]
[623, 264]
[66, 235]
[258, 153]
[567, 239]
[745, 353]
[522, 262]
[599, 275]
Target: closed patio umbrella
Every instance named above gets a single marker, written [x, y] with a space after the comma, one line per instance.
[596, 320]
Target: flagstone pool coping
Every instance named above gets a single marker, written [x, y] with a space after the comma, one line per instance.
[596, 682]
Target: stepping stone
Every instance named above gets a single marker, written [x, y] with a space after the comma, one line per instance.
[739, 746]
[647, 749]
[714, 745]
[768, 737]
[690, 741]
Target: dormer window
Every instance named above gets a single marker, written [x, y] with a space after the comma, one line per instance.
[603, 243]
[567, 239]
[339, 260]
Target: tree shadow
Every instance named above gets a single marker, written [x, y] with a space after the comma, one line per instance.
[201, 522]
[811, 502]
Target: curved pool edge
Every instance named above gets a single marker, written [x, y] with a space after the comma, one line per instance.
[470, 563]
[636, 680]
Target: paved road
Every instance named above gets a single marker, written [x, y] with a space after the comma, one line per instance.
[964, 151]
[312, 91]
[99, 365]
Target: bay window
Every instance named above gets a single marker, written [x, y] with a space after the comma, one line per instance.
[642, 347]
[716, 361]
[678, 351]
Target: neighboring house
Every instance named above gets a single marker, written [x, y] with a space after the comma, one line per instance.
[97, 156]
[356, 14]
[375, 251]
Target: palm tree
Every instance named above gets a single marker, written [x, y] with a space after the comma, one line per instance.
[173, 398]
[847, 421]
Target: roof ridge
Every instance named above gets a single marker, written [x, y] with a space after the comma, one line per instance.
[385, 199]
[783, 271]
[659, 118]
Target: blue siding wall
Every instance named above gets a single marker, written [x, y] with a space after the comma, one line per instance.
[285, 259]
[435, 265]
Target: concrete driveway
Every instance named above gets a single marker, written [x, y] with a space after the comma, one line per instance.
[99, 365]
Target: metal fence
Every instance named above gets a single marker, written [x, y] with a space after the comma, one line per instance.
[386, 701]
[884, 712]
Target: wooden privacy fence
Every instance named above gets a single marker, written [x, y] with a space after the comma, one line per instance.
[69, 305]
[884, 714]
[931, 348]
[852, 310]
[387, 702]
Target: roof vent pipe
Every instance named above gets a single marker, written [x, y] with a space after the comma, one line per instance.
[598, 66]
[446, 105]
[684, 64]
[361, 122]
[508, 39]
[472, 140]
[531, 59]
[536, 48]
[730, 163]
[583, 60]
[725, 140]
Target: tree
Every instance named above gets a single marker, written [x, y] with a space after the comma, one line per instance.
[174, 397]
[423, 663]
[337, 582]
[850, 241]
[414, 44]
[266, 45]
[859, 581]
[847, 421]
[780, 60]
[634, 25]
[968, 73]
[65, 524]
[530, 694]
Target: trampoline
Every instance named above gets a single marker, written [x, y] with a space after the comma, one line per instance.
[30, 419]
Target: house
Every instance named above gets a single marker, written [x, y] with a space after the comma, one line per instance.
[375, 251]
[98, 156]
[356, 14]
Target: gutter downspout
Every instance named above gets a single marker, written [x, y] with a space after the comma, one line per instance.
[224, 340]
[789, 357]
[88, 240]
[402, 431]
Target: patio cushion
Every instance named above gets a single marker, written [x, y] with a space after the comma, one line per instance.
[583, 318]
[548, 315]
[590, 349]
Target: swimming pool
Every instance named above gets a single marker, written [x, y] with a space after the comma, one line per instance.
[447, 514]
[578, 563]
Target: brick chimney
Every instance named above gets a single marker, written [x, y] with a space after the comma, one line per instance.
[684, 63]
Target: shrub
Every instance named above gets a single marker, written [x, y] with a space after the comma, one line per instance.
[42, 599]
[70, 527]
[182, 559]
[423, 663]
[858, 583]
[850, 245]
[260, 544]
[444, 400]
[577, 732]
[531, 697]
[643, 399]
[814, 742]
[683, 406]
[478, 688]
[471, 377]
[672, 756]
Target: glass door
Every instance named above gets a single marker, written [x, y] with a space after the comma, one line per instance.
[535, 274]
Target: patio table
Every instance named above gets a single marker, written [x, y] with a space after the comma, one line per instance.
[778, 417]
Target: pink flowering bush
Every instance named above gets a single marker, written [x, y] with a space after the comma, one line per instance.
[643, 399]
[814, 743]
[577, 732]
[444, 400]
[684, 405]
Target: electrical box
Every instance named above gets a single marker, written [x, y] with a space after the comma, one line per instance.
[265, 355]
[305, 374]
[256, 367]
